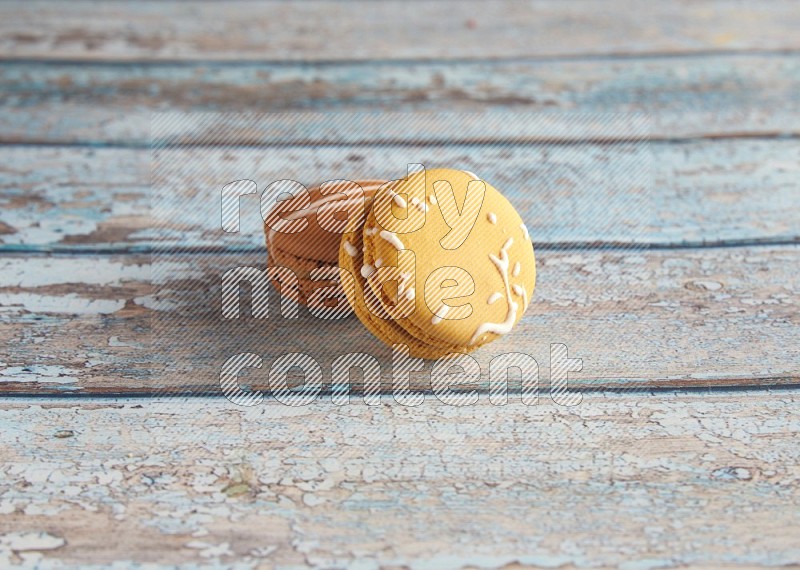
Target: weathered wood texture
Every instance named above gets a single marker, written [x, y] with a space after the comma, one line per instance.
[673, 318]
[702, 192]
[684, 480]
[630, 481]
[287, 31]
[704, 96]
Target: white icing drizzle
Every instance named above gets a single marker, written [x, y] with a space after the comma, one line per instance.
[392, 239]
[441, 312]
[378, 262]
[525, 231]
[494, 297]
[491, 217]
[366, 270]
[471, 174]
[501, 263]
[520, 291]
[350, 248]
[515, 271]
[314, 206]
[371, 231]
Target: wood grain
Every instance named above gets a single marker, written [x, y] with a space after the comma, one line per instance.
[702, 192]
[682, 480]
[111, 103]
[314, 31]
[644, 477]
[673, 318]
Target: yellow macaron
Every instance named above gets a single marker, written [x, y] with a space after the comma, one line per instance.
[443, 264]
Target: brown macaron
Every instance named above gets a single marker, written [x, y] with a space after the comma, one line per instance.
[304, 233]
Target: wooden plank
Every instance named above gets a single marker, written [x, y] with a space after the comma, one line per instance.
[704, 96]
[694, 480]
[308, 31]
[669, 318]
[704, 192]
[57, 195]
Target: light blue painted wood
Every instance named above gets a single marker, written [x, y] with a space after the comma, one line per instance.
[690, 479]
[318, 30]
[708, 317]
[97, 103]
[687, 194]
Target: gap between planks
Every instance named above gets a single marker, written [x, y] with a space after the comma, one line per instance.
[602, 57]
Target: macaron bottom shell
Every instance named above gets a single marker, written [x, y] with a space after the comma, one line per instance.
[302, 268]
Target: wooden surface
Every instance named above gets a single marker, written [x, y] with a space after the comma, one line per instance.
[688, 310]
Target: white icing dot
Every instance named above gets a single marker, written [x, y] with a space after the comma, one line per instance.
[516, 270]
[491, 217]
[351, 250]
[378, 262]
[421, 206]
[398, 199]
[441, 312]
[494, 297]
[366, 271]
[392, 239]
[404, 277]
[432, 199]
[410, 294]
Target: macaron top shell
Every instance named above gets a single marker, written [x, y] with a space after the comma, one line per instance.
[300, 231]
[474, 270]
